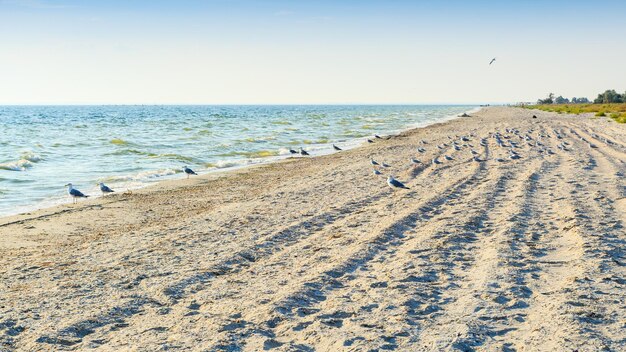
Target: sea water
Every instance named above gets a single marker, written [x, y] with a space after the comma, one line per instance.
[42, 148]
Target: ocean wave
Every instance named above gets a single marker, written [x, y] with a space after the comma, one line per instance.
[252, 154]
[222, 164]
[173, 156]
[26, 161]
[119, 141]
[257, 139]
[141, 176]
[129, 151]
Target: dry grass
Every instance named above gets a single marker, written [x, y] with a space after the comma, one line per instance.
[616, 111]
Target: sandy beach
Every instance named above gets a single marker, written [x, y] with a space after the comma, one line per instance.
[319, 254]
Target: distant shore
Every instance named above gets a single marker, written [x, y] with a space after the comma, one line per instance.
[484, 251]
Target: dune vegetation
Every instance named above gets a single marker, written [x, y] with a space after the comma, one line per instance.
[616, 111]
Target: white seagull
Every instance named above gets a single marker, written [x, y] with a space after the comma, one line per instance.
[74, 193]
[189, 171]
[395, 184]
[105, 189]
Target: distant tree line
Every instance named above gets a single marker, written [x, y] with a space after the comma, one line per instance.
[608, 97]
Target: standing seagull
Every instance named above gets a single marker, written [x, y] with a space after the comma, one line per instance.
[189, 171]
[492, 61]
[105, 189]
[292, 151]
[395, 184]
[336, 147]
[74, 193]
[303, 152]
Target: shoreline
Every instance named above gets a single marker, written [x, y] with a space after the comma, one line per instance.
[325, 149]
[320, 254]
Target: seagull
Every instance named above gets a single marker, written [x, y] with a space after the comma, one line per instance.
[336, 147]
[105, 189]
[74, 193]
[448, 157]
[303, 152]
[492, 61]
[385, 165]
[189, 171]
[415, 161]
[377, 136]
[421, 150]
[370, 141]
[376, 172]
[292, 151]
[436, 161]
[374, 162]
[394, 184]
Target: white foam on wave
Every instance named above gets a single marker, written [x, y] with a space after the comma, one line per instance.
[27, 158]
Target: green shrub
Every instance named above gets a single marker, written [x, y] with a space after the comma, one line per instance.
[600, 113]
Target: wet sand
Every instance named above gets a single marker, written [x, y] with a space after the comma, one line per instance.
[320, 254]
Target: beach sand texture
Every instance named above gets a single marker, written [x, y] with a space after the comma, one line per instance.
[320, 254]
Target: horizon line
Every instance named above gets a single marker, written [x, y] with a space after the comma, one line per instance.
[250, 104]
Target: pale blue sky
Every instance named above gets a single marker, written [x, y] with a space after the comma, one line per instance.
[242, 51]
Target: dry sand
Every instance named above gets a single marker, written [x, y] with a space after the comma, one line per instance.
[319, 254]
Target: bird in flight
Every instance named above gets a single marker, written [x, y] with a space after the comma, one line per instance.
[492, 60]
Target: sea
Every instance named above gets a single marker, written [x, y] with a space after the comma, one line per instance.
[42, 148]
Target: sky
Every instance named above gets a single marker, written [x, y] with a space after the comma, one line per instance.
[308, 52]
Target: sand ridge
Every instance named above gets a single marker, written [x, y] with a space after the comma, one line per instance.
[319, 254]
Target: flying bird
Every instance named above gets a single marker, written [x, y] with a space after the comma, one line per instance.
[395, 184]
[105, 189]
[74, 193]
[492, 61]
[189, 171]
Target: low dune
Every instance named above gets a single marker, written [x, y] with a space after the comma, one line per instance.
[319, 254]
